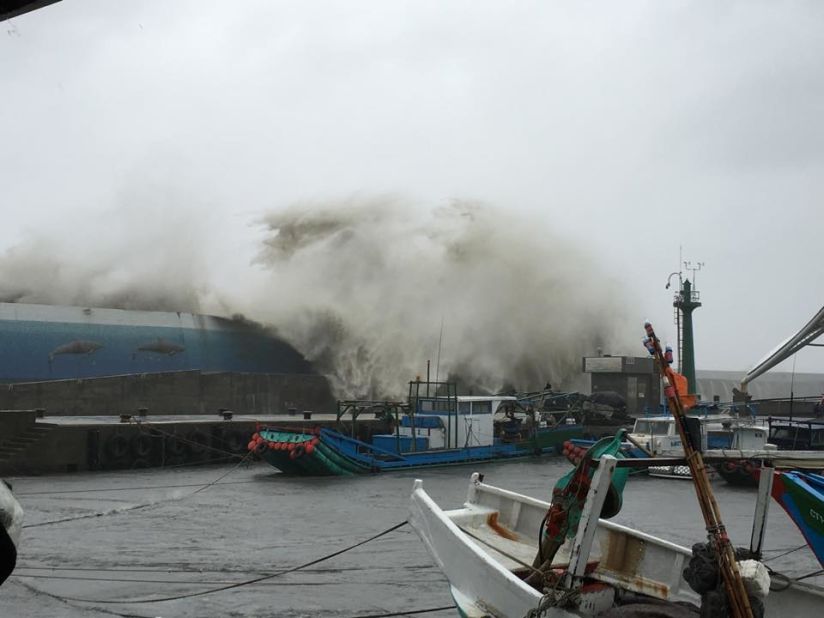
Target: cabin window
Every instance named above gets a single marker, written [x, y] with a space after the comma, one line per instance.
[782, 433]
[434, 405]
[659, 428]
[481, 407]
[463, 407]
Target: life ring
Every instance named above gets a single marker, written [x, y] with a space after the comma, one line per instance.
[300, 450]
[117, 447]
[141, 445]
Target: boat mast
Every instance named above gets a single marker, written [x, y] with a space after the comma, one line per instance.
[734, 585]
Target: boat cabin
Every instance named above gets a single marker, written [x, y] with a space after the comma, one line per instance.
[454, 422]
[659, 435]
[792, 435]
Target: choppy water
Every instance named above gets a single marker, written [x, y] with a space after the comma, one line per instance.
[257, 521]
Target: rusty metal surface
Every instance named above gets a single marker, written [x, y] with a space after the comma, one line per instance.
[500, 529]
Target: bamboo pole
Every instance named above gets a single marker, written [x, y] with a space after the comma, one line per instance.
[734, 585]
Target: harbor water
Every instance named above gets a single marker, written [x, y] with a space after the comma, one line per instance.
[172, 532]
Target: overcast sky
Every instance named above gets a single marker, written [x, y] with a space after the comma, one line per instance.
[628, 129]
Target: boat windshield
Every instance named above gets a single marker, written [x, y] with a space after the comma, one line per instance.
[660, 428]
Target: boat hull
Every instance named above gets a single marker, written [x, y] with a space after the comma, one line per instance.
[482, 569]
[802, 496]
[333, 453]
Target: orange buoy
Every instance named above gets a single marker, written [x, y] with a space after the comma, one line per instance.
[315, 441]
[251, 445]
[255, 436]
[291, 446]
[310, 448]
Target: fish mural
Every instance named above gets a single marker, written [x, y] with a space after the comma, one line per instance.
[78, 346]
[160, 346]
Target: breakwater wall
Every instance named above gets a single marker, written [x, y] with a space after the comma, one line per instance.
[177, 392]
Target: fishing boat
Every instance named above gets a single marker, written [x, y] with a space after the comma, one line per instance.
[582, 565]
[658, 437]
[429, 430]
[486, 549]
[802, 496]
[786, 435]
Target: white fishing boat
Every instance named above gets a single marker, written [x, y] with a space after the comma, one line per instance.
[659, 436]
[487, 547]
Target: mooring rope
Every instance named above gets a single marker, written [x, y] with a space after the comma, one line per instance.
[136, 507]
[141, 424]
[105, 489]
[412, 612]
[238, 584]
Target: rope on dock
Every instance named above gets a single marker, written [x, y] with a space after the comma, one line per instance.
[238, 584]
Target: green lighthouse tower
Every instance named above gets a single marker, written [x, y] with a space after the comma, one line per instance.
[687, 301]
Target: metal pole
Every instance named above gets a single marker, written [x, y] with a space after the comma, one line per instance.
[717, 533]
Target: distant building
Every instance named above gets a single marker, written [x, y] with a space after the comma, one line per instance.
[635, 378]
[772, 385]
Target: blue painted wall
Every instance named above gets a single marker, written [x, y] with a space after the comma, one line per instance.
[34, 340]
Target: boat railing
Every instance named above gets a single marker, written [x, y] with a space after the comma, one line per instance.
[359, 448]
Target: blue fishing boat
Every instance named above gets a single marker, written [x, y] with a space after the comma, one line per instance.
[802, 496]
[430, 430]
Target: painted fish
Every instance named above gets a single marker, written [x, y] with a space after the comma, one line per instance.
[79, 346]
[161, 346]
